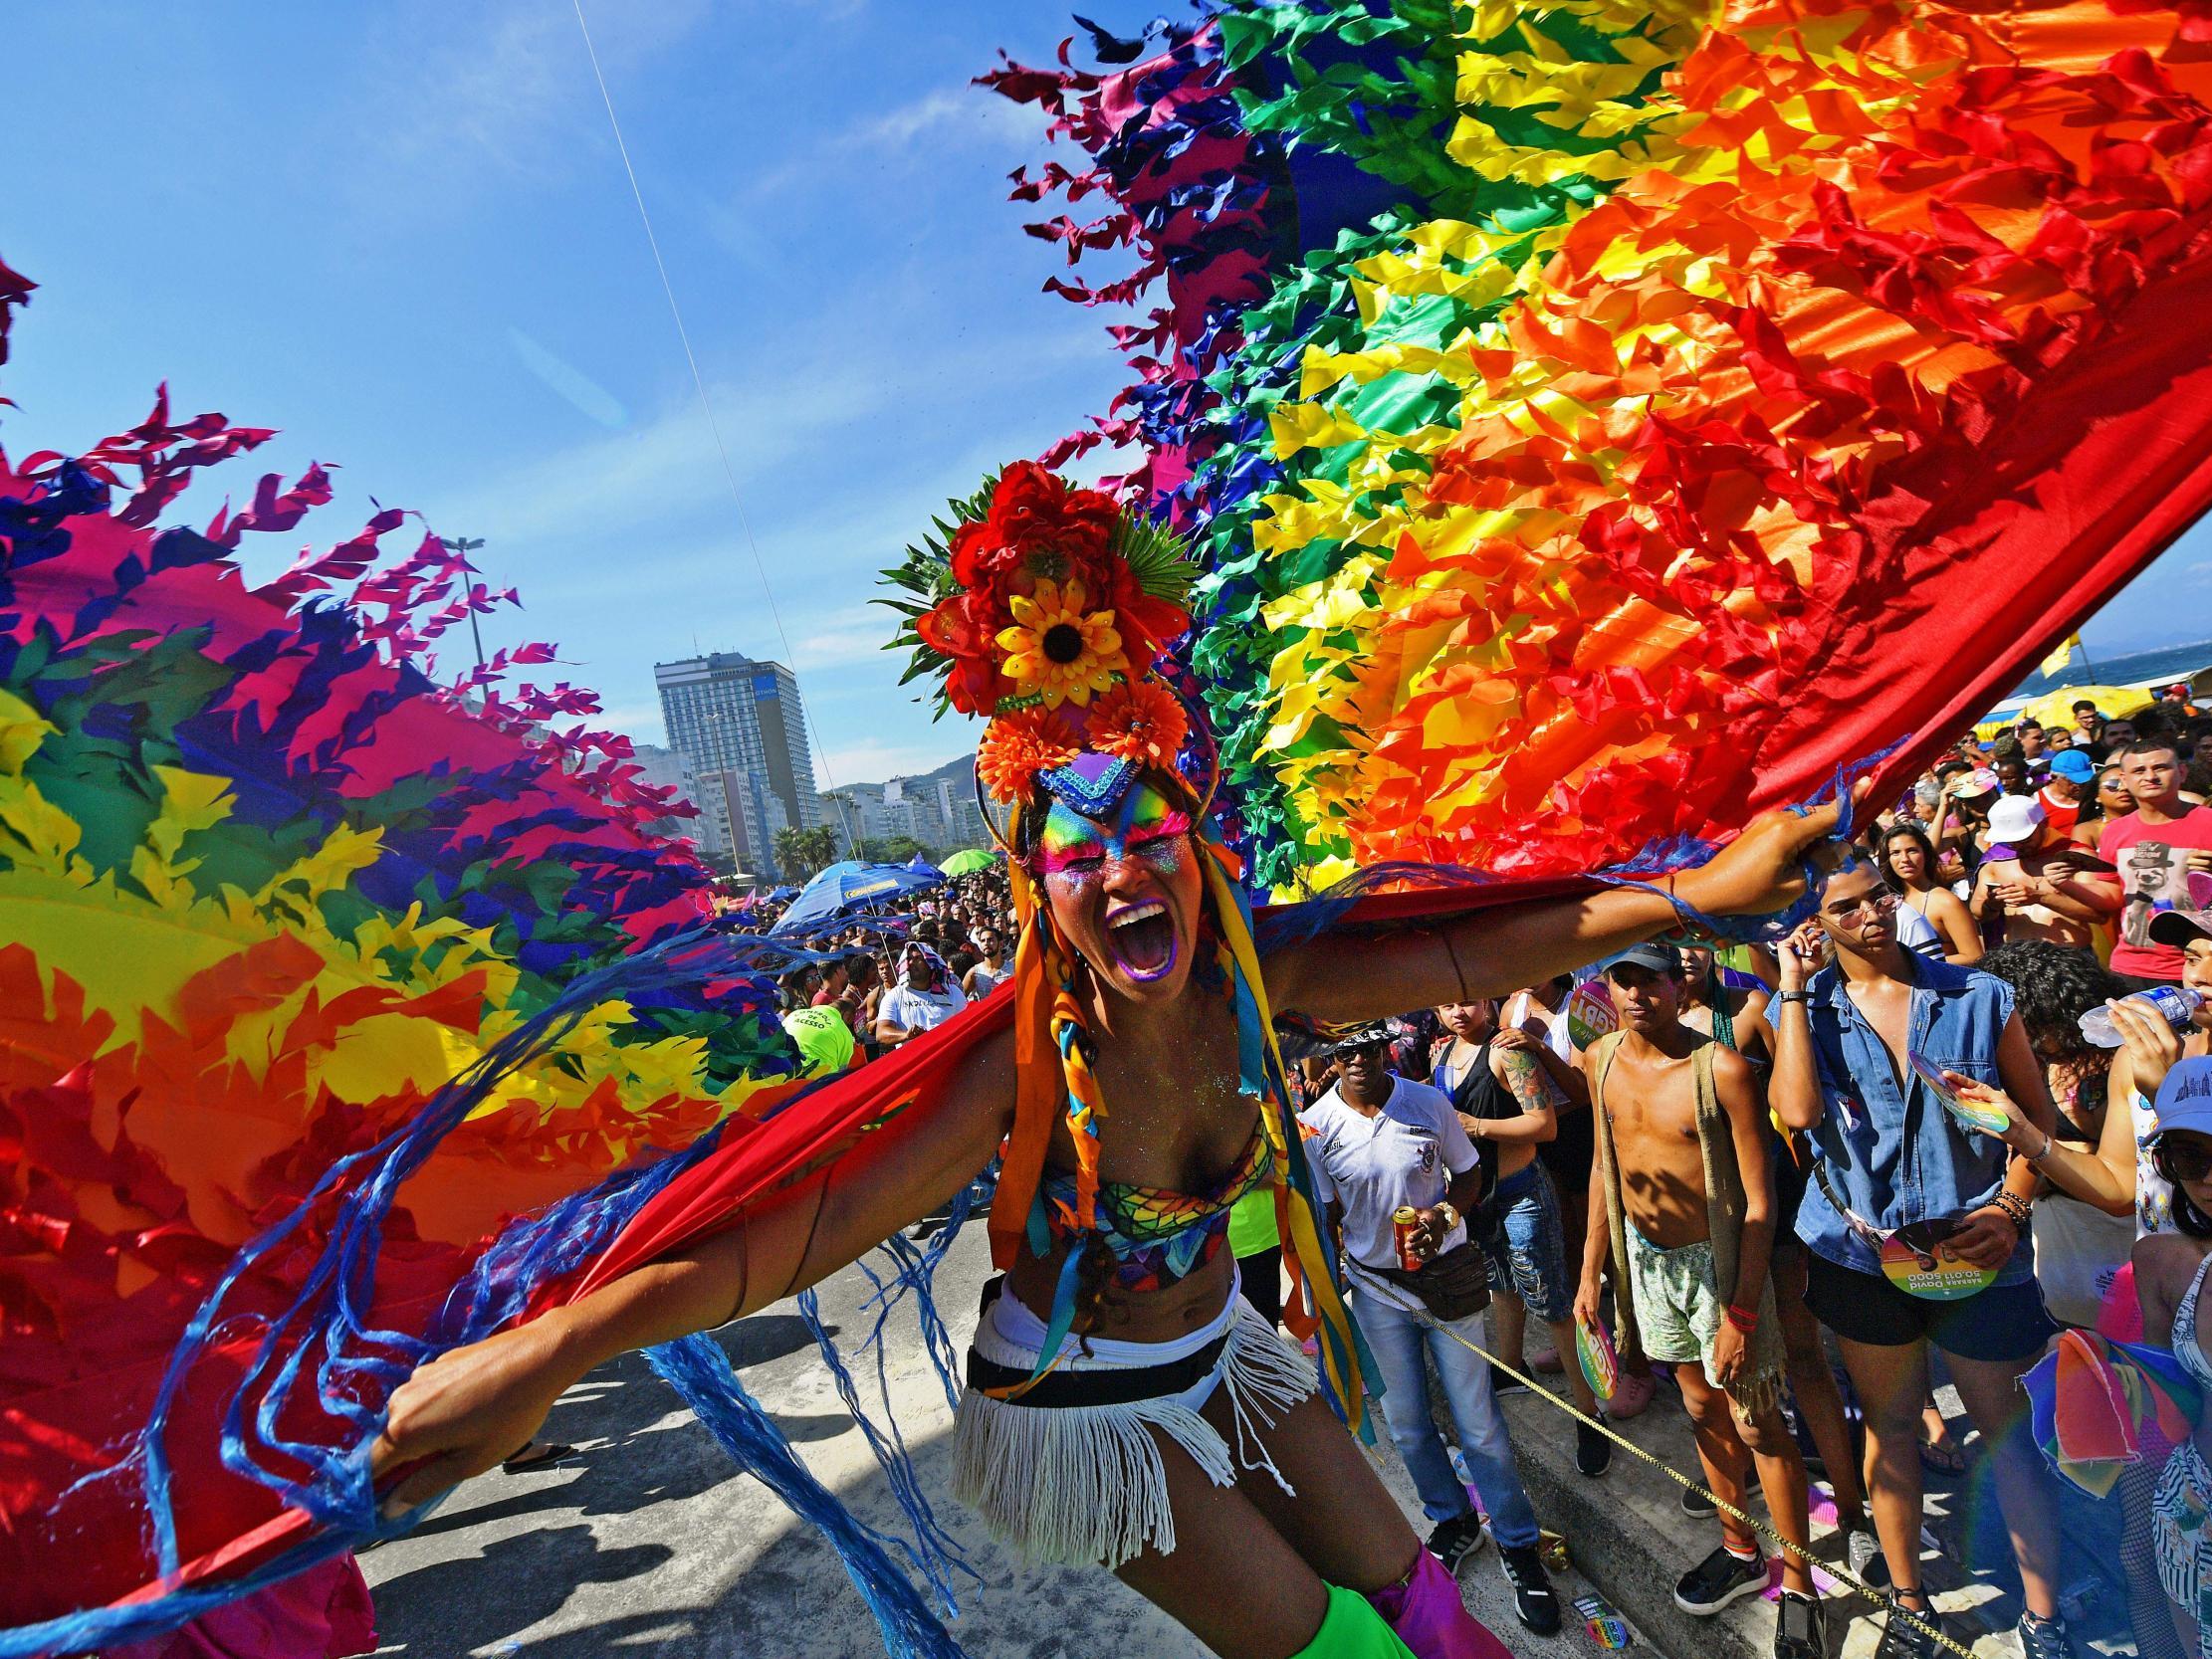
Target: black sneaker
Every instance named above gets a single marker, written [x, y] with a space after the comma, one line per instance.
[1535, 1602]
[1593, 1451]
[1722, 1577]
[1501, 1384]
[1457, 1538]
[2040, 1639]
[1799, 1631]
[1902, 1640]
[1697, 1505]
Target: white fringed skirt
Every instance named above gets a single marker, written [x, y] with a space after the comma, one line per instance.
[1087, 1485]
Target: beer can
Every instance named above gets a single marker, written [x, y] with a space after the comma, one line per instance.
[1404, 1225]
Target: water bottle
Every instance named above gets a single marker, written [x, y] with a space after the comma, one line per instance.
[2177, 1002]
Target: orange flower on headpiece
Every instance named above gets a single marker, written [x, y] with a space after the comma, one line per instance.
[1140, 720]
[1017, 746]
[1057, 650]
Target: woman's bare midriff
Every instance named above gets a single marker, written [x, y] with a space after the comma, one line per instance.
[1131, 1316]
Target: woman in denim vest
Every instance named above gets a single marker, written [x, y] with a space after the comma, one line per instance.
[1887, 1158]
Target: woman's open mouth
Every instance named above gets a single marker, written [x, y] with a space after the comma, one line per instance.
[1143, 941]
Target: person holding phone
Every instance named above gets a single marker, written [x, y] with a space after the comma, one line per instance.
[1889, 1159]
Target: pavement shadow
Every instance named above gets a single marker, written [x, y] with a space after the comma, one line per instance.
[457, 1606]
[628, 1460]
[793, 1598]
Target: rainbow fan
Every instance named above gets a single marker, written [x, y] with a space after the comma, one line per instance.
[265, 888]
[1602, 420]
[2090, 1400]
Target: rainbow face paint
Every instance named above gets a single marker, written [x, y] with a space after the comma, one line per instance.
[1072, 854]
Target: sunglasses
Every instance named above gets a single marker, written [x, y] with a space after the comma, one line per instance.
[2181, 1161]
[1880, 903]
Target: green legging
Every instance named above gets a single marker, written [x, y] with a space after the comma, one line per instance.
[1353, 1630]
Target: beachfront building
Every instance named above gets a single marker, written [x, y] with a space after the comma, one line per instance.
[742, 729]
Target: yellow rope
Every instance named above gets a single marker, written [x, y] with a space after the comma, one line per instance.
[1842, 1575]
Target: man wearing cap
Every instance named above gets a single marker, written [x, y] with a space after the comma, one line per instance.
[1889, 1161]
[924, 998]
[2025, 885]
[2073, 780]
[2151, 850]
[1379, 1143]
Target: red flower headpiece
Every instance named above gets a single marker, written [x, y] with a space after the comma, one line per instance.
[1046, 610]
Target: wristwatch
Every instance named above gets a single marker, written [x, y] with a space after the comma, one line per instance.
[1449, 1213]
[1785, 997]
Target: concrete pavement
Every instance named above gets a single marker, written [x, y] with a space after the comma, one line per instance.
[650, 1543]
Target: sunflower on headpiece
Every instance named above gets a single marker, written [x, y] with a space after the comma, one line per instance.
[1046, 599]
[1056, 648]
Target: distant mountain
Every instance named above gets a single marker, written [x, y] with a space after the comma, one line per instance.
[958, 771]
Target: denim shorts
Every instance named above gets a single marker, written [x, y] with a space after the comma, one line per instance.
[1528, 1251]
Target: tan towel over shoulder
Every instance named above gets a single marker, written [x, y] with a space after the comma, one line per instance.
[1760, 1384]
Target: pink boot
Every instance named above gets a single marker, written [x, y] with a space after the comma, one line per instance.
[1427, 1615]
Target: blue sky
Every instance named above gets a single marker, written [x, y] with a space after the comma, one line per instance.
[402, 233]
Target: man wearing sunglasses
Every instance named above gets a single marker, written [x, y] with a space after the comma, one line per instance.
[1887, 1157]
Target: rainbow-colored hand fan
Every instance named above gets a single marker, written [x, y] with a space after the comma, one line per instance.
[2091, 1398]
[1601, 420]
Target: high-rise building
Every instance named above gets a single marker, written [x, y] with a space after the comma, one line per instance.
[742, 727]
[664, 768]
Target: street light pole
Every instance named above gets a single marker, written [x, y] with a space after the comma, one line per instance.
[465, 545]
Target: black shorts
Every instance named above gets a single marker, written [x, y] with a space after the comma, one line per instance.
[2003, 1322]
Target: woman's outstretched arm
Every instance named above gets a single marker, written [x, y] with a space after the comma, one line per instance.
[1494, 951]
[470, 1408]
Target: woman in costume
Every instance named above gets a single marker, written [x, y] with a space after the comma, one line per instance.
[1123, 1408]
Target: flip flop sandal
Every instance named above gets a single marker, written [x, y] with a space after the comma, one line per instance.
[1943, 1459]
[537, 1455]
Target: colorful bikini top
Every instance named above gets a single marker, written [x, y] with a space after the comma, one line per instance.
[1157, 1237]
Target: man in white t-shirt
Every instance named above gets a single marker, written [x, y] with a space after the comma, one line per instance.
[1377, 1143]
[924, 998]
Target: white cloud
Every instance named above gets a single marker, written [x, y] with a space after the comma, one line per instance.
[468, 95]
[950, 118]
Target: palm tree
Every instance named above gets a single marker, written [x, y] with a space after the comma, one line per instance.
[821, 847]
[791, 853]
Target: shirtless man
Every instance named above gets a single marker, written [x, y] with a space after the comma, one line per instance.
[2026, 878]
[1813, 1384]
[1668, 1100]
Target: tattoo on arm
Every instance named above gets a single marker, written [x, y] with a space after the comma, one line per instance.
[1524, 1079]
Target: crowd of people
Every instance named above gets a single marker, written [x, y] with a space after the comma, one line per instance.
[1754, 1166]
[905, 968]
[1735, 1164]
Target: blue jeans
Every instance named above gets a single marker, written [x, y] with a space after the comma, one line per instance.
[1397, 1339]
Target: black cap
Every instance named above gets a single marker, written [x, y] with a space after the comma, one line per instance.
[1657, 957]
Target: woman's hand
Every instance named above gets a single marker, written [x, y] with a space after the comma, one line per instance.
[2152, 1042]
[1762, 870]
[2018, 1134]
[1986, 1239]
[1513, 1040]
[468, 1410]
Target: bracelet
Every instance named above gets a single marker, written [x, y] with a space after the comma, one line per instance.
[1784, 998]
[2014, 1208]
[2037, 1158]
[1743, 1321]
